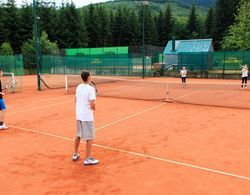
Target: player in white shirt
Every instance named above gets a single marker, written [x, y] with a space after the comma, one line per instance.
[85, 104]
[183, 74]
[244, 70]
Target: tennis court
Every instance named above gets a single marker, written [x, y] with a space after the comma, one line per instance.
[144, 147]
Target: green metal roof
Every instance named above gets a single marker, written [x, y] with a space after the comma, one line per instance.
[195, 45]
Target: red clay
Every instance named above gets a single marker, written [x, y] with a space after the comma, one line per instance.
[40, 163]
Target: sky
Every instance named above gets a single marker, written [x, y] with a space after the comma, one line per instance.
[78, 3]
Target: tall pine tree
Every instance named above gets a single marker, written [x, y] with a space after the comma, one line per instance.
[71, 31]
[150, 31]
[134, 28]
[61, 23]
[159, 26]
[167, 25]
[105, 32]
[192, 24]
[210, 23]
[26, 23]
[129, 25]
[93, 27]
[118, 27]
[3, 31]
[12, 24]
[83, 29]
[112, 18]
[47, 14]
[73, 27]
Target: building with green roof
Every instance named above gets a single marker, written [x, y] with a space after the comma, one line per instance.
[178, 52]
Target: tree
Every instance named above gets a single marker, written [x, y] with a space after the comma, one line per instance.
[192, 25]
[210, 23]
[6, 50]
[61, 23]
[159, 25]
[238, 37]
[48, 18]
[111, 16]
[12, 24]
[225, 11]
[93, 27]
[47, 47]
[25, 31]
[84, 33]
[201, 29]
[3, 30]
[131, 27]
[73, 27]
[180, 28]
[167, 26]
[28, 50]
[150, 32]
[105, 32]
[118, 29]
[151, 37]
[134, 28]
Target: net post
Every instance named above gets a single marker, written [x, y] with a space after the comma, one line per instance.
[167, 96]
[13, 81]
[167, 90]
[66, 83]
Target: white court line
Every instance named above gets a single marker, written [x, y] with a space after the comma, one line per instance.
[141, 112]
[128, 117]
[47, 106]
[142, 155]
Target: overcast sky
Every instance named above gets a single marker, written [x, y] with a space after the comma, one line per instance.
[78, 3]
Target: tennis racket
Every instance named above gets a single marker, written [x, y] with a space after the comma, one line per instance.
[92, 83]
[10, 84]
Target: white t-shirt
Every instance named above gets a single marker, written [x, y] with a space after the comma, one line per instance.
[244, 72]
[84, 94]
[183, 73]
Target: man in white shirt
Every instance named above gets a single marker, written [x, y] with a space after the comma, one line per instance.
[85, 104]
[244, 70]
[183, 74]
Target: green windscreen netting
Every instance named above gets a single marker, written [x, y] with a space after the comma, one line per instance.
[54, 67]
[118, 65]
[208, 64]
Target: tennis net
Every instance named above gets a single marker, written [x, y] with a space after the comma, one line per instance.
[229, 95]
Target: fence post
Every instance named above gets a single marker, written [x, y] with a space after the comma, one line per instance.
[223, 68]
[202, 65]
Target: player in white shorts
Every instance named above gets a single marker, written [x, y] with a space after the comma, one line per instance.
[244, 76]
[85, 105]
[183, 74]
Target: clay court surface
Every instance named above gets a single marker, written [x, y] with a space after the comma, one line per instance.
[144, 147]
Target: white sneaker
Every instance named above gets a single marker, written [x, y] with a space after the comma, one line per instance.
[91, 161]
[2, 127]
[5, 126]
[75, 156]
